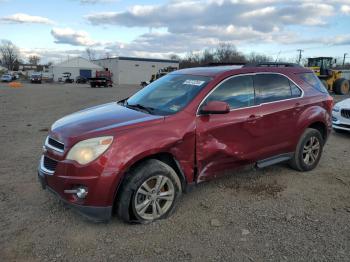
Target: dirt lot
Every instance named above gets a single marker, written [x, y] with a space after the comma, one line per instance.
[273, 214]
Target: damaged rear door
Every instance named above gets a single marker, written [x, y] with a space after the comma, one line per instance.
[224, 141]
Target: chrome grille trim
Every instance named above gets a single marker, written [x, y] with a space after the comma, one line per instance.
[48, 145]
[345, 113]
[43, 168]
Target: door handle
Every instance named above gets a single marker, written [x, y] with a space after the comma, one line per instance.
[297, 107]
[253, 118]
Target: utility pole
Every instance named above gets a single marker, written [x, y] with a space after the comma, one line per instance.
[344, 58]
[300, 51]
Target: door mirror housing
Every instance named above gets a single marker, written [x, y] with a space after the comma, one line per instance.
[215, 107]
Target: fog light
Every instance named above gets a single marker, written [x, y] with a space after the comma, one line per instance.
[80, 192]
[334, 119]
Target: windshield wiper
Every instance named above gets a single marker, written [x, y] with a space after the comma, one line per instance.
[139, 106]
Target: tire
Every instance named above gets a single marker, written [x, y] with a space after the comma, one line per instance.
[300, 161]
[134, 206]
[93, 85]
[341, 86]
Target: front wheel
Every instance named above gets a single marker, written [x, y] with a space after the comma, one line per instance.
[150, 192]
[308, 152]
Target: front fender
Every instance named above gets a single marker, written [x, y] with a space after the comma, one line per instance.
[174, 137]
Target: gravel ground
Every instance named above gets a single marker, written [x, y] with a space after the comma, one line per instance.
[272, 214]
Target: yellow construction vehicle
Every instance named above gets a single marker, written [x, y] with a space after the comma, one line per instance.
[330, 77]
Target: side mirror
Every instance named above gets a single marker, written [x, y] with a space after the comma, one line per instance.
[215, 107]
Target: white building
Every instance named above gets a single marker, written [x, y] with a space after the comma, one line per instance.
[133, 70]
[77, 66]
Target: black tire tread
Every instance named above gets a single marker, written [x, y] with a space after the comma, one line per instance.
[337, 86]
[296, 161]
[136, 176]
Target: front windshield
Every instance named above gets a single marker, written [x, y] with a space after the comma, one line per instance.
[169, 94]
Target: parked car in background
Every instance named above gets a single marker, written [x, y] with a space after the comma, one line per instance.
[341, 116]
[138, 155]
[81, 80]
[6, 78]
[36, 78]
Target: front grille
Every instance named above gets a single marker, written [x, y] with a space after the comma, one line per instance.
[55, 144]
[49, 164]
[345, 113]
[342, 125]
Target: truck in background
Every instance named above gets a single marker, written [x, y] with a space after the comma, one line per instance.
[102, 79]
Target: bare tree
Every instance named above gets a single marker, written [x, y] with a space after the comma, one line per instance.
[174, 57]
[227, 53]
[208, 57]
[91, 53]
[34, 59]
[9, 54]
[258, 58]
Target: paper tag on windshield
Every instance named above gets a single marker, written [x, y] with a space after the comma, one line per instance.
[193, 82]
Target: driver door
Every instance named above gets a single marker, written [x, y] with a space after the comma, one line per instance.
[225, 141]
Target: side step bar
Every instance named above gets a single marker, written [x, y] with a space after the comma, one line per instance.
[274, 160]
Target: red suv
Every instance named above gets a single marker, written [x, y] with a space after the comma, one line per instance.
[137, 156]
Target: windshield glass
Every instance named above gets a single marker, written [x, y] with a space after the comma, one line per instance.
[169, 94]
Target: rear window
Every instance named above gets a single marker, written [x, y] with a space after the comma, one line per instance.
[313, 81]
[273, 87]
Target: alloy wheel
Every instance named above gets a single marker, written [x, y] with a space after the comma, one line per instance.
[311, 150]
[154, 197]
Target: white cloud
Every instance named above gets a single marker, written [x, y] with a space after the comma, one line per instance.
[345, 9]
[72, 37]
[244, 13]
[21, 18]
[196, 24]
[96, 1]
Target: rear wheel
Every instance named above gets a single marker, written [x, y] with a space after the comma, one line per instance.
[308, 152]
[150, 192]
[341, 86]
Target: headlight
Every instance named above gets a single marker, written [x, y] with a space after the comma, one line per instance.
[88, 150]
[336, 109]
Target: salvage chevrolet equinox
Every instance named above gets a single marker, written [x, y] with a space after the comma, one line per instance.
[136, 156]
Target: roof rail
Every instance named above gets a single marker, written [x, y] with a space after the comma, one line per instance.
[272, 64]
[225, 64]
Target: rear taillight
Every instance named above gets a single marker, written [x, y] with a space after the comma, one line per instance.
[329, 104]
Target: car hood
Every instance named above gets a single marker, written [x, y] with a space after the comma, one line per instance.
[98, 119]
[344, 103]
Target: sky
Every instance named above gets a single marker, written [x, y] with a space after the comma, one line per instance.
[56, 30]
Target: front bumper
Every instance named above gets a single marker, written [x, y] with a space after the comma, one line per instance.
[340, 122]
[93, 213]
[341, 126]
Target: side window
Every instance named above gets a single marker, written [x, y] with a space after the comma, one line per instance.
[314, 81]
[272, 87]
[237, 92]
[296, 92]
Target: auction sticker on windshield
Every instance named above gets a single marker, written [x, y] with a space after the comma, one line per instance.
[194, 82]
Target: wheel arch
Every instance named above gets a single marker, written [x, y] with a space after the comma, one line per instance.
[315, 117]
[321, 127]
[164, 157]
